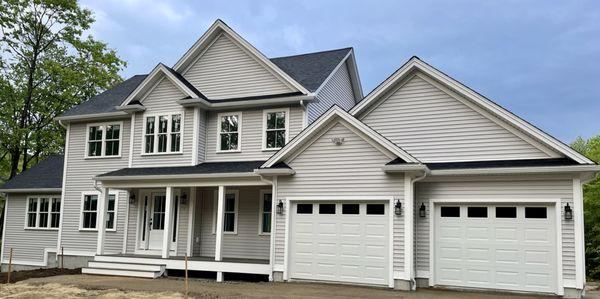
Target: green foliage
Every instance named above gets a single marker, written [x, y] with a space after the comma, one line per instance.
[48, 64]
[591, 202]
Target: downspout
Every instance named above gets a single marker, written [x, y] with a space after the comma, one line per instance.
[304, 106]
[413, 281]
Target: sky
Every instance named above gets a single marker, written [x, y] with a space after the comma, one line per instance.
[538, 59]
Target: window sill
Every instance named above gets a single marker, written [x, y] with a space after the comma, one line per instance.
[162, 154]
[229, 152]
[227, 233]
[271, 149]
[96, 230]
[101, 157]
[42, 228]
[264, 234]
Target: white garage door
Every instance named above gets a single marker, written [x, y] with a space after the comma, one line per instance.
[496, 246]
[342, 242]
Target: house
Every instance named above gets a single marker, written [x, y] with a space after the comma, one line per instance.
[281, 167]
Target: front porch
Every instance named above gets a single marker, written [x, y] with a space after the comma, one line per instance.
[222, 226]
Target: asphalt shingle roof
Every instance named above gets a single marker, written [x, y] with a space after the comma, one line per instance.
[310, 70]
[202, 168]
[46, 174]
[502, 163]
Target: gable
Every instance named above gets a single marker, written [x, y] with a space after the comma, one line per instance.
[435, 125]
[163, 97]
[338, 90]
[225, 70]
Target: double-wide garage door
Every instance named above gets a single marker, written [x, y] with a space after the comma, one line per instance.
[340, 241]
[509, 247]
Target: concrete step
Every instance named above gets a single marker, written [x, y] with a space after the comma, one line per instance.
[120, 272]
[126, 266]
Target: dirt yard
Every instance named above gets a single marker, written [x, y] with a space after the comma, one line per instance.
[26, 274]
[83, 286]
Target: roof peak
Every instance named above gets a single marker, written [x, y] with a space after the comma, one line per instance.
[313, 53]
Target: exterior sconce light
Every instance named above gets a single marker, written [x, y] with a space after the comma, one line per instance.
[422, 210]
[337, 140]
[280, 207]
[398, 208]
[183, 199]
[568, 212]
[132, 198]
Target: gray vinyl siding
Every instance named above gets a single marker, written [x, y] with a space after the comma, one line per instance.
[182, 225]
[27, 244]
[338, 90]
[352, 169]
[162, 99]
[435, 127]
[247, 243]
[519, 188]
[79, 179]
[225, 70]
[252, 126]
[132, 224]
[202, 122]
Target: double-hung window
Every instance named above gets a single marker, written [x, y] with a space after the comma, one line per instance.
[275, 128]
[230, 132]
[230, 212]
[162, 134]
[266, 201]
[104, 140]
[89, 212]
[43, 212]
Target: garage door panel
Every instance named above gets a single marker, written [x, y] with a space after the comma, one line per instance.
[515, 253]
[343, 247]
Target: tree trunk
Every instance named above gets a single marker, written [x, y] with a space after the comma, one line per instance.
[15, 156]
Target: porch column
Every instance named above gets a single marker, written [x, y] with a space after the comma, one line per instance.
[101, 220]
[219, 229]
[168, 228]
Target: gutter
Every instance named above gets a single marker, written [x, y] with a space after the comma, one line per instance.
[173, 176]
[515, 170]
[104, 115]
[192, 102]
[274, 171]
[25, 190]
[393, 168]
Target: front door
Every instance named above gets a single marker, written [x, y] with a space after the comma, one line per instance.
[156, 221]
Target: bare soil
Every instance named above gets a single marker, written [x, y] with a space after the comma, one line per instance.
[37, 273]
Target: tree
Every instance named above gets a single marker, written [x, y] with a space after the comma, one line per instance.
[48, 64]
[591, 207]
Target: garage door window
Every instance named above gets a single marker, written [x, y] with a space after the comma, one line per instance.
[506, 212]
[350, 209]
[304, 208]
[375, 209]
[327, 208]
[535, 212]
[477, 212]
[450, 211]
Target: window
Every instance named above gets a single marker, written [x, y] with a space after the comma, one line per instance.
[229, 128]
[43, 212]
[229, 212]
[304, 208]
[351, 208]
[477, 212]
[162, 134]
[275, 128]
[326, 208]
[450, 211]
[506, 212]
[103, 140]
[89, 212]
[375, 209]
[266, 205]
[535, 212]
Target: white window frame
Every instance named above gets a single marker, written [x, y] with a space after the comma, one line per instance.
[261, 211]
[240, 128]
[236, 212]
[97, 193]
[264, 127]
[156, 116]
[37, 212]
[103, 140]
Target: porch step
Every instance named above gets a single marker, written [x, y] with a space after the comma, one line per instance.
[124, 269]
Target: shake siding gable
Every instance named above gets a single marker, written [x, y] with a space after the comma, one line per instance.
[252, 134]
[338, 90]
[225, 70]
[433, 126]
[352, 169]
[79, 178]
[162, 99]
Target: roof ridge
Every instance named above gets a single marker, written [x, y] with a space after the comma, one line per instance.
[312, 53]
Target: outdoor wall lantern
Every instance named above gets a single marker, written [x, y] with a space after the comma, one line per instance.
[568, 212]
[280, 207]
[422, 211]
[132, 198]
[183, 199]
[398, 208]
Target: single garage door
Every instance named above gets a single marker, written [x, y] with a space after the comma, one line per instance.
[507, 247]
[342, 242]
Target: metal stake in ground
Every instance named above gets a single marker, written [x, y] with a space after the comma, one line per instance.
[187, 286]
[9, 265]
[62, 258]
